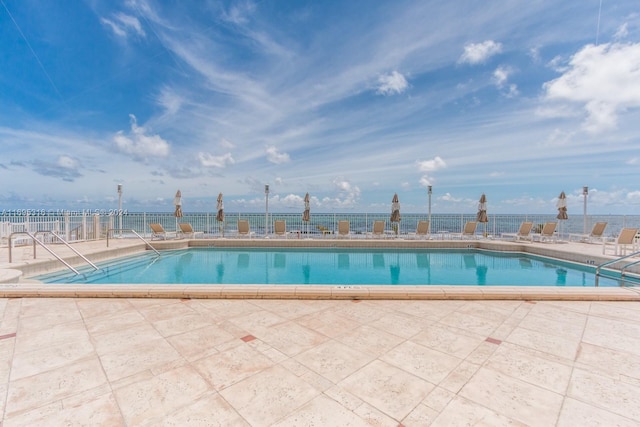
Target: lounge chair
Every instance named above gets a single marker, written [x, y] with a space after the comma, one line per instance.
[343, 229]
[422, 230]
[158, 232]
[187, 230]
[280, 229]
[243, 228]
[547, 234]
[378, 230]
[626, 238]
[468, 232]
[524, 233]
[596, 235]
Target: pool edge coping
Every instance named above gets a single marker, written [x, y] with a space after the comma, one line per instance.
[359, 292]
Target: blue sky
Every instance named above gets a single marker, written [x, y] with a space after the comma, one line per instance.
[349, 101]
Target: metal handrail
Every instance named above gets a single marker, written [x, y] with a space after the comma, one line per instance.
[613, 261]
[35, 240]
[109, 231]
[67, 245]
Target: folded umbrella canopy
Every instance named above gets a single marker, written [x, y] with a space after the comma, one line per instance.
[482, 212]
[395, 211]
[220, 207]
[482, 209]
[177, 202]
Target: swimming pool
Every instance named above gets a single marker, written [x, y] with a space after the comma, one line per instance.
[337, 266]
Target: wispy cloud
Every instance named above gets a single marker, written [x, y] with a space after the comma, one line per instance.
[500, 78]
[477, 53]
[209, 160]
[124, 25]
[392, 83]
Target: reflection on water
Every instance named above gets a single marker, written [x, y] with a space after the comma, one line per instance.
[378, 260]
[343, 261]
[481, 274]
[395, 274]
[243, 261]
[562, 276]
[306, 273]
[220, 271]
[422, 261]
[279, 260]
[469, 261]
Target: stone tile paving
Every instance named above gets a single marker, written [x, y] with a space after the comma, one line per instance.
[150, 362]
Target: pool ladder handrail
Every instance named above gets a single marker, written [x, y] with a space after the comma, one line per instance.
[35, 241]
[613, 261]
[109, 231]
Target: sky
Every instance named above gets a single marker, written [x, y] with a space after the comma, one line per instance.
[350, 101]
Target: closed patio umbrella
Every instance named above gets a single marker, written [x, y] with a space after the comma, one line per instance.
[395, 211]
[306, 215]
[177, 202]
[220, 214]
[482, 212]
[562, 210]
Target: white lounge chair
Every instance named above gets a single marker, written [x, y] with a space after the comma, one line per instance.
[280, 228]
[422, 231]
[158, 232]
[468, 232]
[343, 229]
[596, 235]
[547, 234]
[626, 238]
[524, 233]
[187, 230]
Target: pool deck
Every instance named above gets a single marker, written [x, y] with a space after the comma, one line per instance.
[153, 359]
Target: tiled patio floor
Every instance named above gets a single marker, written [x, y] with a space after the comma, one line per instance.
[197, 362]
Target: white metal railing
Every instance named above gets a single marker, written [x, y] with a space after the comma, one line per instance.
[92, 226]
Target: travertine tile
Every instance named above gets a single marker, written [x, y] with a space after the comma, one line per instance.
[51, 357]
[451, 341]
[125, 361]
[559, 346]
[576, 413]
[514, 361]
[231, 366]
[388, 388]
[209, 410]
[290, 338]
[370, 340]
[463, 412]
[37, 390]
[428, 364]
[334, 360]
[153, 399]
[513, 398]
[606, 393]
[269, 396]
[605, 361]
[99, 411]
[198, 343]
[322, 411]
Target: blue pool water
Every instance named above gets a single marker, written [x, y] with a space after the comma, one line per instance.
[337, 267]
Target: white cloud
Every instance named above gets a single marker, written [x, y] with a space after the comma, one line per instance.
[605, 79]
[477, 53]
[500, 79]
[633, 161]
[392, 83]
[431, 165]
[209, 160]
[623, 32]
[449, 198]
[122, 25]
[348, 194]
[425, 181]
[274, 156]
[138, 144]
[67, 162]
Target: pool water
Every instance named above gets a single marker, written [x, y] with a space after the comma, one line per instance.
[337, 266]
